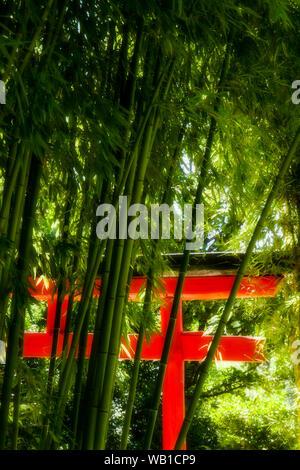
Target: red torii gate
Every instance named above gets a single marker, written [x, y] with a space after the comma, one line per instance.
[186, 346]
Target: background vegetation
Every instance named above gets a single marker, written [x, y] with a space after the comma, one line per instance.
[181, 102]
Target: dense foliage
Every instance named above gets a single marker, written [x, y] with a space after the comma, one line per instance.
[161, 101]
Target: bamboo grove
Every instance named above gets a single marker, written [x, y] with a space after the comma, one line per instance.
[162, 102]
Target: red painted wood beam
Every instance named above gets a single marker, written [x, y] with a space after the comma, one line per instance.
[195, 288]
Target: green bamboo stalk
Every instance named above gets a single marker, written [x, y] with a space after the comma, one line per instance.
[6, 203]
[153, 412]
[71, 290]
[94, 259]
[18, 301]
[51, 371]
[79, 377]
[108, 377]
[114, 341]
[78, 399]
[56, 330]
[91, 392]
[12, 57]
[11, 178]
[141, 130]
[136, 367]
[102, 330]
[58, 30]
[13, 152]
[109, 303]
[122, 65]
[16, 414]
[233, 293]
[106, 303]
[65, 377]
[128, 96]
[115, 337]
[36, 37]
[61, 291]
[176, 301]
[102, 345]
[146, 312]
[14, 224]
[17, 393]
[90, 399]
[71, 287]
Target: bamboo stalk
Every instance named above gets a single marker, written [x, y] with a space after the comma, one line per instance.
[109, 302]
[136, 367]
[114, 343]
[58, 30]
[110, 357]
[115, 337]
[153, 412]
[15, 428]
[77, 400]
[92, 393]
[94, 259]
[71, 288]
[141, 130]
[79, 377]
[6, 203]
[65, 377]
[146, 312]
[61, 291]
[35, 38]
[12, 236]
[18, 301]
[17, 393]
[102, 344]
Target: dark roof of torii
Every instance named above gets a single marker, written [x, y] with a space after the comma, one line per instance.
[227, 263]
